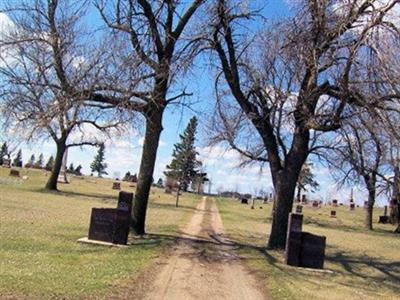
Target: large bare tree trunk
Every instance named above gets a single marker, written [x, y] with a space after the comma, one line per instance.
[51, 184]
[150, 146]
[370, 208]
[298, 194]
[285, 190]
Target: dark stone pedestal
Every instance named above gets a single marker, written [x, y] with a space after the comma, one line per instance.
[112, 224]
[303, 249]
[14, 173]
[383, 219]
[312, 253]
[116, 186]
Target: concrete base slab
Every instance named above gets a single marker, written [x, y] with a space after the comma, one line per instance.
[85, 240]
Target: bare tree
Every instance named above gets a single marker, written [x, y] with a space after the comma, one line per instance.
[158, 47]
[48, 65]
[295, 81]
[360, 153]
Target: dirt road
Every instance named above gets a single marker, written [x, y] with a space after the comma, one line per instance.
[203, 265]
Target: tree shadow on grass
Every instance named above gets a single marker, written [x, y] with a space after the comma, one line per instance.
[358, 265]
[347, 228]
[220, 242]
[88, 196]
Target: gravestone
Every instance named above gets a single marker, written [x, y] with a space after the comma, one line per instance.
[365, 204]
[315, 204]
[312, 251]
[116, 186]
[14, 173]
[293, 239]
[334, 203]
[303, 249]
[333, 213]
[352, 206]
[125, 201]
[7, 163]
[299, 209]
[385, 218]
[244, 201]
[112, 224]
[303, 199]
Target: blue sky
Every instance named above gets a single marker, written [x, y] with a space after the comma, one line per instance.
[123, 153]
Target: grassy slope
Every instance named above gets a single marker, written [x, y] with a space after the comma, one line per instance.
[366, 265]
[39, 256]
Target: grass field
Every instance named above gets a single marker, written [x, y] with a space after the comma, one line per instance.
[39, 255]
[365, 265]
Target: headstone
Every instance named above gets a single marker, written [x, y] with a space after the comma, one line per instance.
[312, 251]
[352, 206]
[116, 186]
[303, 199]
[303, 249]
[102, 226]
[333, 213]
[125, 201]
[14, 173]
[244, 201]
[110, 224]
[334, 203]
[315, 204]
[293, 239]
[385, 218]
[299, 209]
[365, 204]
[7, 163]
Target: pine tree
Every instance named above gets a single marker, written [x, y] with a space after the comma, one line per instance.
[50, 163]
[160, 183]
[71, 168]
[184, 164]
[78, 170]
[18, 159]
[98, 165]
[39, 162]
[306, 178]
[31, 162]
[3, 152]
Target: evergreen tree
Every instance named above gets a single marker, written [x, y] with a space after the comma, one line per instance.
[31, 162]
[50, 163]
[71, 168]
[98, 165]
[39, 162]
[184, 164]
[18, 159]
[306, 178]
[160, 183]
[127, 176]
[78, 170]
[3, 152]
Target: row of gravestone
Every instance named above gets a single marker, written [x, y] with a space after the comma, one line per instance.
[382, 219]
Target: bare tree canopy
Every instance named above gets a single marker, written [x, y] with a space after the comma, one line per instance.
[157, 43]
[295, 81]
[50, 64]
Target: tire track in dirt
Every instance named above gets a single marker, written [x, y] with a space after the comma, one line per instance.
[204, 265]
